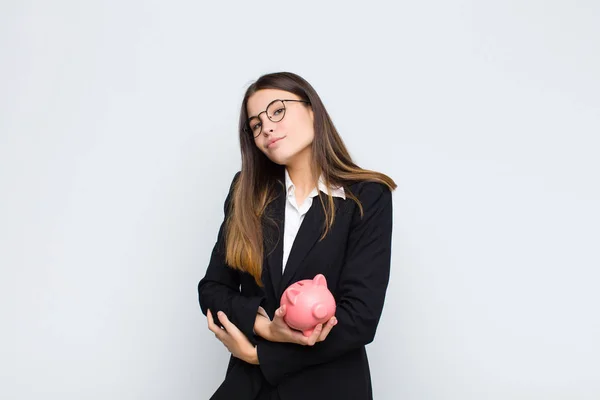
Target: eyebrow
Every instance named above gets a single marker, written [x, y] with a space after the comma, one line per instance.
[253, 116]
[256, 116]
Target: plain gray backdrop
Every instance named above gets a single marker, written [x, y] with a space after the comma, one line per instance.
[118, 141]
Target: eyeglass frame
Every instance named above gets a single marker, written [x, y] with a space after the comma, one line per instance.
[248, 128]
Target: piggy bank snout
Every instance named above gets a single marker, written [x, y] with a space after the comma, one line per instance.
[319, 311]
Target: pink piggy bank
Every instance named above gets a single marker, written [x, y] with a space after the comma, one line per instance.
[308, 303]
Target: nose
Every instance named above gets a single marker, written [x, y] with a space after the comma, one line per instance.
[268, 126]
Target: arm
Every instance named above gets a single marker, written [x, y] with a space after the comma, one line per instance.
[219, 289]
[361, 293]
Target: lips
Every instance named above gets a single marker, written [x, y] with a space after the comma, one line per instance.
[274, 141]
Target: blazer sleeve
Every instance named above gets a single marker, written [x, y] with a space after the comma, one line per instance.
[361, 292]
[219, 290]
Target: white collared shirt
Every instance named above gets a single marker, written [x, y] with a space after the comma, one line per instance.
[294, 213]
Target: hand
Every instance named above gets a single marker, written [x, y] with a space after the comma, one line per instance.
[278, 331]
[236, 342]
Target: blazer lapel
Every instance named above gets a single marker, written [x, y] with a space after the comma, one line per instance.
[274, 237]
[310, 231]
[274, 234]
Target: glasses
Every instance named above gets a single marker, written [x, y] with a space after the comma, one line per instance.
[275, 112]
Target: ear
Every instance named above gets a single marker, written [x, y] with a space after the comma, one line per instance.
[292, 295]
[320, 280]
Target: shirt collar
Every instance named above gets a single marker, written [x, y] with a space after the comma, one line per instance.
[336, 192]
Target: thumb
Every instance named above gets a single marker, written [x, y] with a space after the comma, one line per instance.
[281, 311]
[228, 325]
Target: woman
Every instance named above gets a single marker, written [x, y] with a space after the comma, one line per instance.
[299, 207]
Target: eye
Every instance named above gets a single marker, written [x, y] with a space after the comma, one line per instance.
[278, 111]
[255, 126]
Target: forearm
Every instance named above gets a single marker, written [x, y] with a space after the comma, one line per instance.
[261, 324]
[240, 309]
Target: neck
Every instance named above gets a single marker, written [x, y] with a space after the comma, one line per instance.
[301, 173]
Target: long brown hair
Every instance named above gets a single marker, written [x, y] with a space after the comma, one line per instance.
[256, 186]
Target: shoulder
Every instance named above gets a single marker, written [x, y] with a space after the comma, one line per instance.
[375, 199]
[229, 198]
[370, 191]
[235, 178]
[372, 198]
[371, 211]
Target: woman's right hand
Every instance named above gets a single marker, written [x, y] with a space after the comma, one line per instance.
[278, 331]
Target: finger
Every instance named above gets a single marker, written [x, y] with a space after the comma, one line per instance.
[211, 322]
[227, 324]
[312, 339]
[327, 328]
[278, 318]
[280, 312]
[214, 328]
[297, 337]
[283, 332]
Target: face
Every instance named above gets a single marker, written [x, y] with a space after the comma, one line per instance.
[290, 139]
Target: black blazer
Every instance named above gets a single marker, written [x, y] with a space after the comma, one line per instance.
[355, 259]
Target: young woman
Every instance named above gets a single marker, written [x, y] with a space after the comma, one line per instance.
[299, 207]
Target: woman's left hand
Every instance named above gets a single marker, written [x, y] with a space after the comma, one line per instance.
[278, 330]
[236, 342]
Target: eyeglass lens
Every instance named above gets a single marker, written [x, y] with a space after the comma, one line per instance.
[275, 112]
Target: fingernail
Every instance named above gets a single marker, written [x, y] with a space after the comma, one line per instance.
[220, 313]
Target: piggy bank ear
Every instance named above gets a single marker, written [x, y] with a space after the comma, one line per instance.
[320, 280]
[292, 295]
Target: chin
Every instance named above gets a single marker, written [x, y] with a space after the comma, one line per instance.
[279, 161]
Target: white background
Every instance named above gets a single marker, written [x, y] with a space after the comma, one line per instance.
[118, 143]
